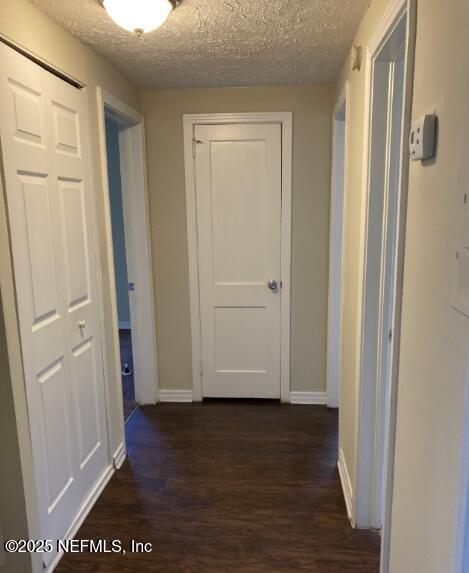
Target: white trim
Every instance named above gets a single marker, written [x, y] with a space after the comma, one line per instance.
[114, 336]
[411, 33]
[119, 456]
[365, 427]
[176, 396]
[337, 210]
[341, 100]
[130, 115]
[139, 260]
[346, 484]
[125, 325]
[461, 556]
[316, 398]
[138, 241]
[366, 421]
[286, 120]
[83, 513]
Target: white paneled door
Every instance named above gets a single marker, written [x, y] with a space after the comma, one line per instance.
[238, 189]
[43, 130]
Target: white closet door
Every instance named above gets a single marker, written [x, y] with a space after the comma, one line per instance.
[43, 130]
[238, 184]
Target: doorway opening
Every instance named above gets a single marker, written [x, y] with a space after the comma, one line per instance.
[129, 273]
[122, 285]
[339, 155]
[389, 65]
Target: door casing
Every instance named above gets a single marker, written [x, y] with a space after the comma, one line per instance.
[340, 127]
[366, 431]
[285, 119]
[461, 556]
[137, 232]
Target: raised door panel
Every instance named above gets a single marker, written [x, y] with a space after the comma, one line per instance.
[57, 432]
[84, 375]
[238, 212]
[41, 257]
[28, 114]
[66, 130]
[241, 336]
[73, 219]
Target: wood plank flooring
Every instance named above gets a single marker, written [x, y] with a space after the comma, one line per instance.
[228, 487]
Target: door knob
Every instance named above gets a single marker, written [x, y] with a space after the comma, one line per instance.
[273, 284]
[82, 324]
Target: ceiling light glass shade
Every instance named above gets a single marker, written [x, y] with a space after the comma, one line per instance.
[138, 15]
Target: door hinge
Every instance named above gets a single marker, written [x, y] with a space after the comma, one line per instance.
[201, 367]
[194, 145]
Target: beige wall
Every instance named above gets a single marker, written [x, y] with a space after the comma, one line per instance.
[312, 109]
[23, 23]
[434, 337]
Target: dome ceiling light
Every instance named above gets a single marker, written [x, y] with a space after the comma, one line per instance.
[139, 16]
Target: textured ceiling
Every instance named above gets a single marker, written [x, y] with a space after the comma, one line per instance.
[223, 42]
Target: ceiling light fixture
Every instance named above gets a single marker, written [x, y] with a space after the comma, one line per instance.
[138, 16]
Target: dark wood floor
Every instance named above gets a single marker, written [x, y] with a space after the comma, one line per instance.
[228, 487]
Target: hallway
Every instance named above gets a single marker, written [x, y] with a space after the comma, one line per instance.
[228, 487]
[128, 385]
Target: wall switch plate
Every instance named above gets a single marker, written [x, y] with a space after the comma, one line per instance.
[422, 138]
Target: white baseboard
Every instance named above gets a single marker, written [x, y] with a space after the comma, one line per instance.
[83, 513]
[176, 395]
[125, 326]
[317, 398]
[346, 483]
[119, 456]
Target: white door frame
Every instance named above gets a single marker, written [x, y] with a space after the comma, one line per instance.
[461, 557]
[367, 421]
[285, 119]
[336, 231]
[138, 244]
